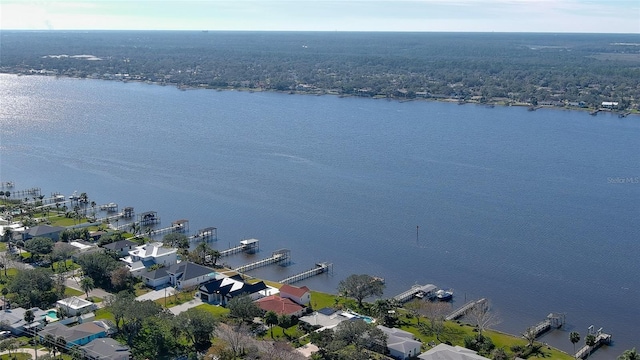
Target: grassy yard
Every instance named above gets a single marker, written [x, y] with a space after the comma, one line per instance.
[217, 311]
[321, 300]
[103, 314]
[72, 292]
[16, 356]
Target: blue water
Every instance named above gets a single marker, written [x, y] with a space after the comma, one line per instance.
[523, 208]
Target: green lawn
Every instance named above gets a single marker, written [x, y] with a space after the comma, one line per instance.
[104, 314]
[3, 246]
[60, 266]
[73, 292]
[17, 356]
[218, 311]
[321, 300]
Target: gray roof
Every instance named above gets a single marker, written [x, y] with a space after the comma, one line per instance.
[448, 352]
[187, 270]
[42, 230]
[155, 274]
[106, 349]
[72, 333]
[120, 244]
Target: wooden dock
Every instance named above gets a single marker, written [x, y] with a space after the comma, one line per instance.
[206, 234]
[18, 194]
[464, 309]
[248, 245]
[319, 269]
[601, 339]
[419, 291]
[553, 320]
[178, 226]
[110, 207]
[148, 218]
[279, 256]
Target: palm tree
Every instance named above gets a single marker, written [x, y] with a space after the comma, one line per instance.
[629, 355]
[87, 285]
[215, 256]
[50, 342]
[271, 318]
[61, 343]
[574, 337]
[590, 340]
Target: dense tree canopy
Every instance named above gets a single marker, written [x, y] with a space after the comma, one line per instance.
[514, 67]
[360, 287]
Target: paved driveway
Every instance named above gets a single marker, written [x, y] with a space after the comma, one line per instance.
[185, 306]
[156, 294]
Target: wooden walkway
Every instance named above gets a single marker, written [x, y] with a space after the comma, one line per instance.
[456, 314]
[279, 256]
[319, 269]
[601, 339]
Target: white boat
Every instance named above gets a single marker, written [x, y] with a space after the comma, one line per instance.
[444, 295]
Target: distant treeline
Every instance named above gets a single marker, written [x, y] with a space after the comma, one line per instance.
[538, 69]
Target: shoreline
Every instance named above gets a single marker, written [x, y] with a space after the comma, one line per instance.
[322, 92]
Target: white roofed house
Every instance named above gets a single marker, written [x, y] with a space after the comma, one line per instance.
[147, 255]
[448, 352]
[75, 306]
[401, 344]
[301, 295]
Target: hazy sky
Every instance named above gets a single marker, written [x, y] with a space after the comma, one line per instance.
[598, 16]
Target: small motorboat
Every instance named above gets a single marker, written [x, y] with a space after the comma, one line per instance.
[444, 295]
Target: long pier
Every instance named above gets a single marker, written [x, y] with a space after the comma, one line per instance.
[601, 339]
[17, 194]
[419, 291]
[319, 269]
[277, 257]
[245, 245]
[553, 320]
[464, 309]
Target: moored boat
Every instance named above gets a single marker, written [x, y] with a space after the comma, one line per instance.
[444, 295]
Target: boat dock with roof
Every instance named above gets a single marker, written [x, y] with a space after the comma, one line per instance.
[417, 291]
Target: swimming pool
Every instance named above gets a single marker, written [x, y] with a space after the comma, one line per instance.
[52, 314]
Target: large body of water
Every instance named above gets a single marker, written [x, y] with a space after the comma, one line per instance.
[537, 211]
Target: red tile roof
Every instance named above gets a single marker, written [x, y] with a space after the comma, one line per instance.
[294, 290]
[278, 305]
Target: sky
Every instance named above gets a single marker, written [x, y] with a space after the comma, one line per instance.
[579, 16]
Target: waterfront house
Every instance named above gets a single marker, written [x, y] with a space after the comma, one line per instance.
[144, 256]
[48, 231]
[609, 104]
[325, 318]
[182, 275]
[223, 289]
[77, 335]
[280, 305]
[444, 351]
[186, 274]
[401, 344]
[301, 295]
[105, 349]
[121, 247]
